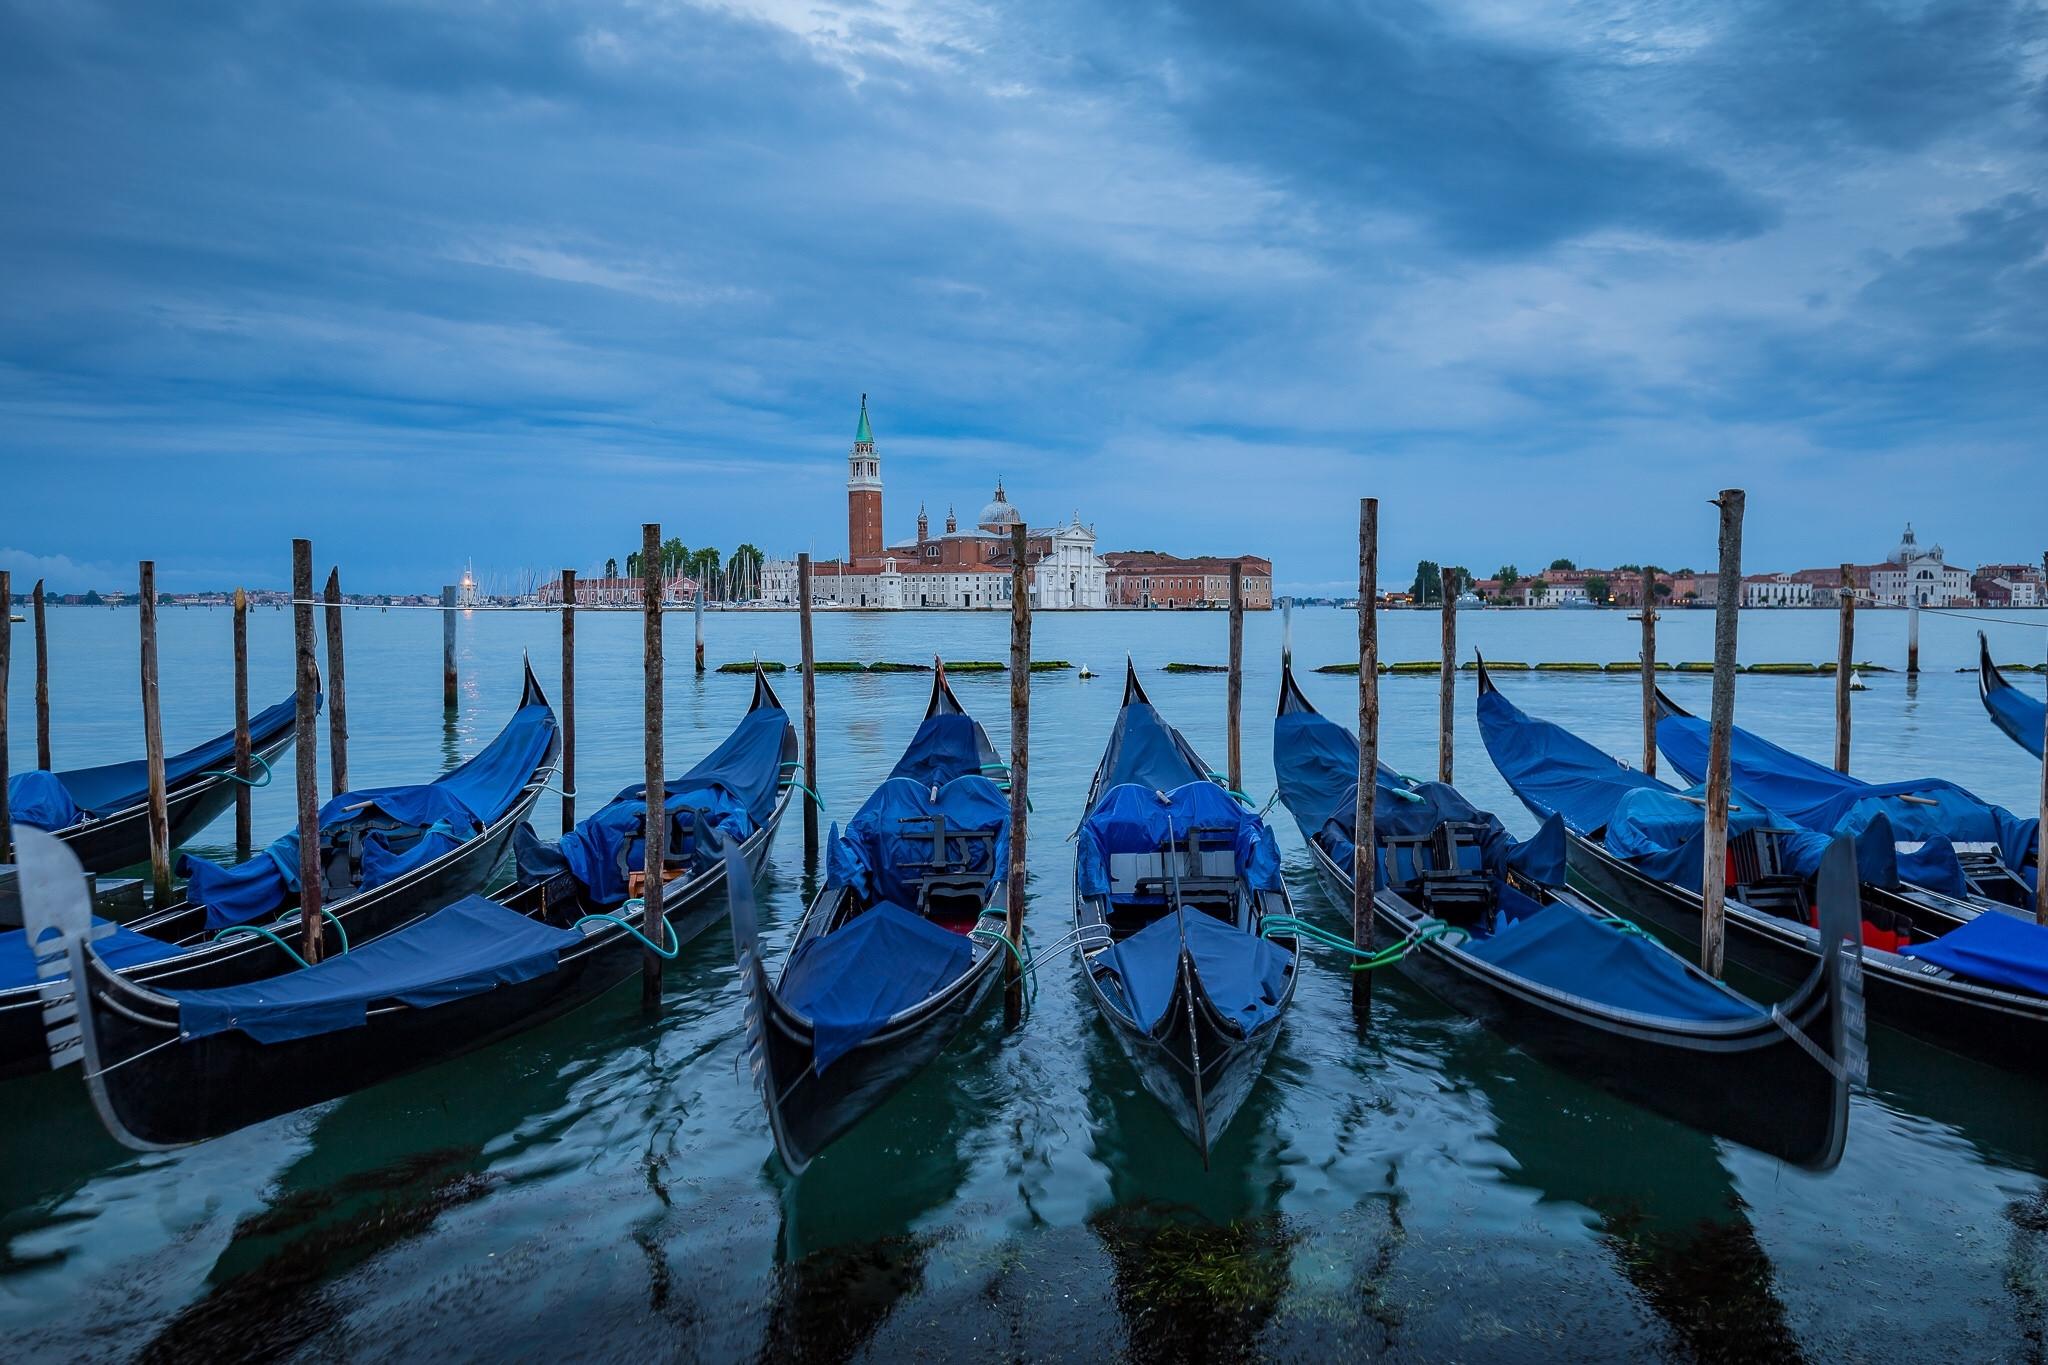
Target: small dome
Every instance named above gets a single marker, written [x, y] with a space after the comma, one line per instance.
[999, 513]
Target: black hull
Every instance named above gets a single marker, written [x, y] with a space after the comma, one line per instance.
[808, 1112]
[2000, 1027]
[122, 839]
[190, 1092]
[1756, 1087]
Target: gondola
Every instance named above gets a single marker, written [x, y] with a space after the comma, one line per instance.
[1975, 982]
[168, 1068]
[2013, 711]
[1949, 841]
[1489, 928]
[391, 854]
[896, 952]
[102, 814]
[1173, 881]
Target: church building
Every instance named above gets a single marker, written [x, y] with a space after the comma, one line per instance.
[952, 569]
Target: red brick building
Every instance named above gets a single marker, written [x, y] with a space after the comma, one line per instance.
[1147, 578]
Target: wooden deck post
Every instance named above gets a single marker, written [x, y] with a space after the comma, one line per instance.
[448, 696]
[1447, 685]
[1648, 613]
[652, 924]
[568, 700]
[243, 833]
[1845, 652]
[306, 724]
[6, 660]
[1364, 858]
[337, 688]
[153, 746]
[804, 648]
[1714, 887]
[1020, 758]
[42, 682]
[1912, 633]
[700, 627]
[1234, 688]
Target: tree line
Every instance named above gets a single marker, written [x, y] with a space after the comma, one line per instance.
[726, 578]
[1427, 589]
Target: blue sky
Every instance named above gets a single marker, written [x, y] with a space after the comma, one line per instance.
[429, 282]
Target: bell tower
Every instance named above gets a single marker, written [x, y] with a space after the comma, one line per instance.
[863, 492]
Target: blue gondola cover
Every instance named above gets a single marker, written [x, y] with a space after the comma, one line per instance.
[946, 746]
[850, 981]
[455, 805]
[1994, 947]
[1564, 949]
[1145, 750]
[893, 830]
[465, 949]
[1139, 819]
[2018, 714]
[1244, 976]
[121, 949]
[112, 787]
[735, 785]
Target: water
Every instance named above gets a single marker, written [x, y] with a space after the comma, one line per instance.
[605, 1185]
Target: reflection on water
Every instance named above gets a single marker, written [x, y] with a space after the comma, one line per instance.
[605, 1185]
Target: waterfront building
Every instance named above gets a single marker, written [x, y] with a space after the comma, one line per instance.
[1776, 590]
[954, 568]
[2007, 585]
[1148, 578]
[1912, 574]
[614, 592]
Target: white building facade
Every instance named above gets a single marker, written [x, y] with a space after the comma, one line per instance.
[1912, 575]
[1776, 590]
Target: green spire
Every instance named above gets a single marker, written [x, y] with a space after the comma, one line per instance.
[863, 434]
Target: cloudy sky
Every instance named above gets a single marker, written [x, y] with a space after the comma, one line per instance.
[430, 282]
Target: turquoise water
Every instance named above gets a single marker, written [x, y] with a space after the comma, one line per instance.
[605, 1186]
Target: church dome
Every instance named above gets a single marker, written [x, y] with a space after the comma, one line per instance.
[1909, 549]
[999, 515]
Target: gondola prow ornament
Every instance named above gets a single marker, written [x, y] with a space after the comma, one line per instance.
[57, 912]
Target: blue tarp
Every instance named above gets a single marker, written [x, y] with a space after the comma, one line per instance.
[875, 853]
[101, 791]
[1244, 976]
[453, 807]
[1144, 749]
[1994, 947]
[850, 981]
[1315, 761]
[1564, 949]
[2016, 713]
[1822, 799]
[463, 950]
[735, 785]
[1140, 819]
[1553, 770]
[121, 949]
[945, 746]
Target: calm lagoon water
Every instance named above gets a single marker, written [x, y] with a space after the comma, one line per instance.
[605, 1187]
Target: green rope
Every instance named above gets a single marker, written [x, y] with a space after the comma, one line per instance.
[260, 930]
[808, 792]
[665, 954]
[1220, 780]
[1370, 959]
[1024, 967]
[1626, 926]
[233, 776]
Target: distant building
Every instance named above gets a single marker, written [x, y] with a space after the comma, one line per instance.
[614, 592]
[1776, 590]
[1148, 578]
[1915, 575]
[2007, 585]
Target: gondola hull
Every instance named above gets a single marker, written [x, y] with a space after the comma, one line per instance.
[1711, 1082]
[2001, 1027]
[192, 1091]
[809, 1111]
[460, 872]
[122, 839]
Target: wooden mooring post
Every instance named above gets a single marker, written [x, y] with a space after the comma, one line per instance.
[1020, 762]
[1913, 634]
[810, 684]
[337, 688]
[1648, 613]
[651, 887]
[1364, 860]
[699, 614]
[568, 700]
[1447, 684]
[1234, 689]
[1714, 879]
[6, 661]
[307, 728]
[243, 751]
[42, 627]
[153, 746]
[448, 693]
[1845, 656]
